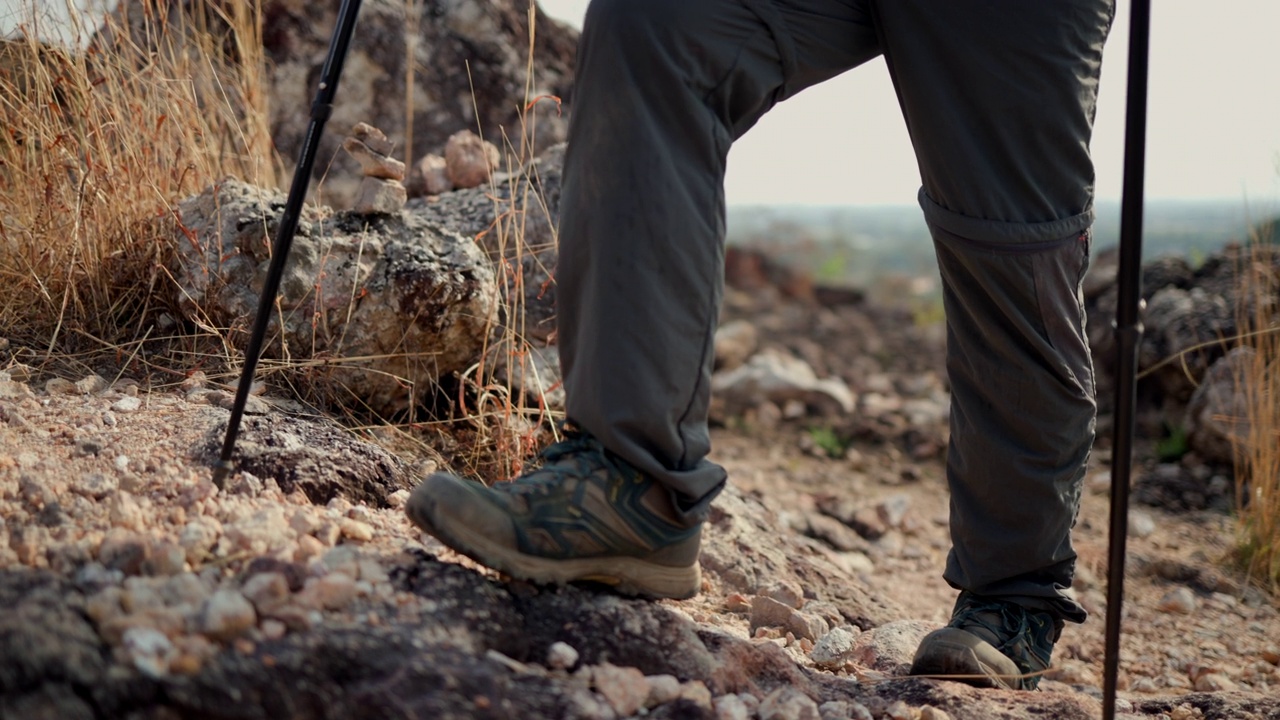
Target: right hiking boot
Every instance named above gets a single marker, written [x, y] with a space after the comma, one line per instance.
[990, 643]
[584, 514]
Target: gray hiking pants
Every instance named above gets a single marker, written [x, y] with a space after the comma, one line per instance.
[998, 96]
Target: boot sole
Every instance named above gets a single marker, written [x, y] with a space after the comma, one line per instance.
[953, 654]
[623, 574]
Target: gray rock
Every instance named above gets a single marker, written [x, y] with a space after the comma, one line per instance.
[787, 703]
[777, 377]
[890, 647]
[412, 302]
[735, 341]
[834, 648]
[1217, 417]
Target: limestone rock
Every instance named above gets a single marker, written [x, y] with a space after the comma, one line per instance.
[469, 159]
[411, 301]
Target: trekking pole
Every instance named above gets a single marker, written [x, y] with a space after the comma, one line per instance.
[321, 108]
[1128, 333]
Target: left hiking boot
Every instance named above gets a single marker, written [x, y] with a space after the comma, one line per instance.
[584, 514]
[990, 643]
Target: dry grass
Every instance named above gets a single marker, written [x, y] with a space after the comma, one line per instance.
[96, 148]
[1258, 470]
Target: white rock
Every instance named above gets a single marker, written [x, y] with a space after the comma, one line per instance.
[149, 650]
[379, 197]
[227, 615]
[900, 710]
[126, 405]
[356, 530]
[335, 590]
[787, 703]
[662, 689]
[929, 712]
[1141, 524]
[561, 656]
[731, 707]
[834, 648]
[625, 688]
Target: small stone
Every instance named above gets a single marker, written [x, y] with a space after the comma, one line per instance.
[334, 591]
[1141, 524]
[807, 626]
[430, 176]
[1181, 600]
[123, 551]
[787, 592]
[267, 591]
[696, 692]
[126, 405]
[149, 650]
[227, 615]
[398, 499]
[662, 690]
[1214, 682]
[61, 386]
[900, 710]
[787, 703]
[891, 647]
[379, 197]
[198, 537]
[737, 603]
[625, 688]
[844, 710]
[833, 648]
[892, 511]
[375, 139]
[373, 164]
[356, 530]
[1272, 655]
[929, 712]
[561, 656]
[767, 612]
[328, 533]
[104, 605]
[308, 547]
[91, 384]
[469, 159]
[165, 558]
[109, 418]
[731, 707]
[13, 390]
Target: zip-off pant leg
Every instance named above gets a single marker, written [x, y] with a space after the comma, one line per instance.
[663, 89]
[999, 99]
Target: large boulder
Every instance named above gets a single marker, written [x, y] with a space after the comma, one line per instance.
[379, 306]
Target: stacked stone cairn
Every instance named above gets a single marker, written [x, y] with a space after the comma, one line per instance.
[382, 190]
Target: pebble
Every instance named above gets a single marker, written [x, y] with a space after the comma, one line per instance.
[227, 615]
[1141, 524]
[1214, 682]
[662, 690]
[787, 703]
[625, 688]
[696, 692]
[561, 656]
[787, 592]
[150, 650]
[165, 558]
[267, 591]
[1181, 600]
[333, 591]
[109, 418]
[398, 499]
[767, 612]
[731, 707]
[807, 626]
[844, 710]
[356, 530]
[61, 386]
[892, 511]
[91, 384]
[273, 629]
[890, 647]
[124, 551]
[198, 537]
[833, 648]
[929, 712]
[900, 710]
[126, 404]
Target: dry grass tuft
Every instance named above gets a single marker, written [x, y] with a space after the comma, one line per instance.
[96, 147]
[1258, 467]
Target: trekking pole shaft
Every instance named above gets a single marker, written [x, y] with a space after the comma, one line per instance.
[1128, 332]
[321, 108]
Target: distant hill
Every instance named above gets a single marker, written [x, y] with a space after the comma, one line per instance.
[857, 245]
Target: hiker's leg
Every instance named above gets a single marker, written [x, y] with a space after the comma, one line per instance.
[663, 89]
[999, 98]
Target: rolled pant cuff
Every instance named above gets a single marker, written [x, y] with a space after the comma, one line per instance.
[1001, 232]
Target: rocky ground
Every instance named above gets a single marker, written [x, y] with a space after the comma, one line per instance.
[136, 589]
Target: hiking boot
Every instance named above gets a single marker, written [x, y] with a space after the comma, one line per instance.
[583, 514]
[990, 643]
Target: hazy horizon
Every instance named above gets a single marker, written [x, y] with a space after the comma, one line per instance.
[1213, 130]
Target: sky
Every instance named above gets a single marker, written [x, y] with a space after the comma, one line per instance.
[1213, 129]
